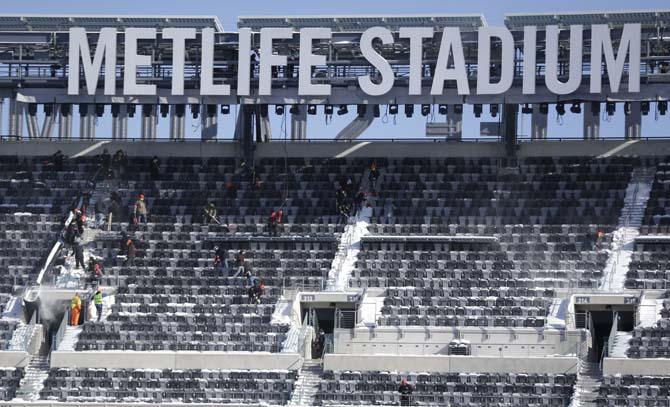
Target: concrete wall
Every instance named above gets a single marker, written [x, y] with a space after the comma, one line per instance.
[176, 360]
[397, 149]
[132, 148]
[448, 364]
[14, 359]
[435, 340]
[638, 367]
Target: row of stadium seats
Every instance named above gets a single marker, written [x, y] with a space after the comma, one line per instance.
[168, 386]
[475, 389]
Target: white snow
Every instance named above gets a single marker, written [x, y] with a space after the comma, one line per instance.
[623, 240]
[649, 312]
[621, 344]
[70, 338]
[282, 312]
[370, 310]
[350, 244]
[557, 313]
[22, 336]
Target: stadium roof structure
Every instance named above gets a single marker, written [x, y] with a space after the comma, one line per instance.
[63, 22]
[648, 18]
[358, 23]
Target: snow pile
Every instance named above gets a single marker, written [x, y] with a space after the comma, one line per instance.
[370, 310]
[557, 313]
[282, 312]
[21, 337]
[350, 245]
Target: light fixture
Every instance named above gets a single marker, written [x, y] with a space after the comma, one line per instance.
[493, 109]
[311, 110]
[294, 109]
[627, 108]
[644, 108]
[164, 108]
[195, 110]
[458, 108]
[409, 110]
[279, 110]
[560, 108]
[393, 109]
[342, 110]
[527, 109]
[662, 106]
[442, 109]
[425, 110]
[544, 108]
[225, 109]
[477, 109]
[328, 110]
[610, 108]
[576, 108]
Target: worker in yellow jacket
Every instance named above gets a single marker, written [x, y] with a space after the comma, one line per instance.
[75, 309]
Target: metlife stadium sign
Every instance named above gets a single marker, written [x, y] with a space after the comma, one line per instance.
[450, 64]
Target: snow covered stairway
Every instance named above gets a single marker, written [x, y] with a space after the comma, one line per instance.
[307, 384]
[621, 344]
[33, 381]
[628, 228]
[70, 338]
[587, 387]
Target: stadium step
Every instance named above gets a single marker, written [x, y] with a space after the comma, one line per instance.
[307, 384]
[69, 341]
[33, 380]
[621, 344]
[630, 220]
[589, 379]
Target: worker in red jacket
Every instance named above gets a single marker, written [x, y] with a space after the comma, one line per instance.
[275, 219]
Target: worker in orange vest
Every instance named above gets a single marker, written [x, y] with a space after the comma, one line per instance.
[75, 309]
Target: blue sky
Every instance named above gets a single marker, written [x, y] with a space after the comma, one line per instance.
[229, 10]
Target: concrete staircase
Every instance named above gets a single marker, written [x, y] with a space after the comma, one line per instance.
[70, 338]
[621, 344]
[307, 384]
[588, 384]
[630, 220]
[33, 381]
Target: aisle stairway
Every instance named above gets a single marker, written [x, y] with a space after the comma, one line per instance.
[623, 242]
[307, 384]
[33, 380]
[587, 387]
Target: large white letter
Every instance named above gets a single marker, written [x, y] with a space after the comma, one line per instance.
[602, 43]
[376, 60]
[79, 46]
[416, 36]
[268, 59]
[207, 86]
[179, 37]
[451, 43]
[484, 85]
[244, 62]
[308, 60]
[133, 60]
[529, 59]
[551, 60]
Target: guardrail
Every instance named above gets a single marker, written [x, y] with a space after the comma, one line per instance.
[57, 338]
[54, 250]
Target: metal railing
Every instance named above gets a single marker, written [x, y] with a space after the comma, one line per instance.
[57, 338]
[613, 333]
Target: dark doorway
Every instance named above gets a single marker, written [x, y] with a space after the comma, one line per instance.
[626, 321]
[601, 325]
[320, 318]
